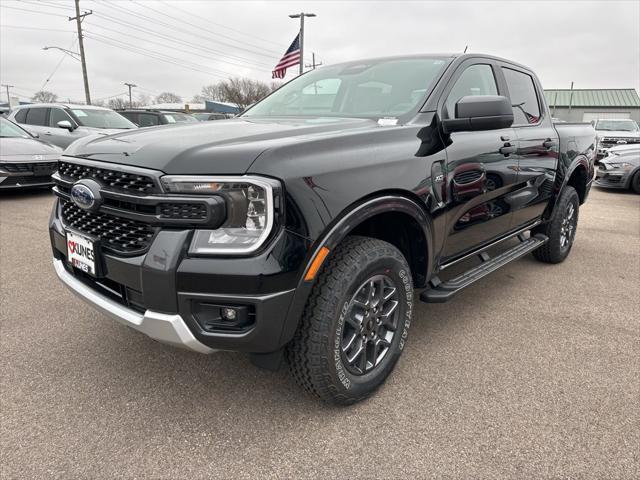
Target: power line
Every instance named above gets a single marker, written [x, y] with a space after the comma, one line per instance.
[33, 11]
[221, 25]
[188, 32]
[202, 28]
[73, 42]
[148, 31]
[24, 27]
[172, 47]
[156, 56]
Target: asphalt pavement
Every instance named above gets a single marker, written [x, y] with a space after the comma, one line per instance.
[533, 372]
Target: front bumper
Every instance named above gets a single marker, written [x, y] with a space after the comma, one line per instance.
[25, 174]
[165, 294]
[170, 329]
[617, 178]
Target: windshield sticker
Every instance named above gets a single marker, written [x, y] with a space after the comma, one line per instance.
[386, 121]
[79, 113]
[170, 119]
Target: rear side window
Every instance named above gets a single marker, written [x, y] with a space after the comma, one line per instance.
[147, 120]
[37, 116]
[475, 80]
[21, 116]
[524, 99]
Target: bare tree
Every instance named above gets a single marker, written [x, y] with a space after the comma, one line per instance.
[44, 96]
[118, 103]
[168, 97]
[242, 92]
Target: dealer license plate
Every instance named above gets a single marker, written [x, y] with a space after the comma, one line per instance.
[81, 253]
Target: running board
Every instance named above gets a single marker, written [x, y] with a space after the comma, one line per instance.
[443, 291]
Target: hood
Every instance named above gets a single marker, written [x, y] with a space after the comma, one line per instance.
[24, 149]
[220, 147]
[617, 133]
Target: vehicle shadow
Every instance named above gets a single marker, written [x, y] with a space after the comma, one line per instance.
[26, 192]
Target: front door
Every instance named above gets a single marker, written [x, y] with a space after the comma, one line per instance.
[480, 171]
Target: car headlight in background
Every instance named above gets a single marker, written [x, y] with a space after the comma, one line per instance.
[250, 211]
[622, 165]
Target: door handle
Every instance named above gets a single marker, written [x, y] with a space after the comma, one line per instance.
[548, 143]
[508, 149]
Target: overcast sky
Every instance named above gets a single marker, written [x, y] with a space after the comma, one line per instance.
[180, 46]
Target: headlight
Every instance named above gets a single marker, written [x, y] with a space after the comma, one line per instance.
[623, 165]
[250, 211]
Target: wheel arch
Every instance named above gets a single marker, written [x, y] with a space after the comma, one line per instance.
[369, 215]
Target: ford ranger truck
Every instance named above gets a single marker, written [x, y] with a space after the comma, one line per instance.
[305, 229]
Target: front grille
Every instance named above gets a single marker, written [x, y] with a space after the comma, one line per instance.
[467, 177]
[184, 211]
[27, 167]
[615, 140]
[113, 179]
[117, 234]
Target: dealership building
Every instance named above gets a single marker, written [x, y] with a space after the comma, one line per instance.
[586, 105]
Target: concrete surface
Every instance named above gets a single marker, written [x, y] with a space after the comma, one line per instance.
[532, 373]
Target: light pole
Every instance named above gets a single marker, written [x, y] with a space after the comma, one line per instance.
[301, 16]
[130, 85]
[74, 55]
[8, 97]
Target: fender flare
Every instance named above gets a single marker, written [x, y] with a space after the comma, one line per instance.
[580, 161]
[349, 219]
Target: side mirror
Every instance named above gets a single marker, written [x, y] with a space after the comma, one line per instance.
[480, 112]
[34, 134]
[66, 124]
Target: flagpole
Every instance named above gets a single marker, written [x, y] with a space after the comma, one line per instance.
[301, 16]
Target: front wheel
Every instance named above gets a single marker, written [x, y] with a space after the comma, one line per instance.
[561, 228]
[635, 182]
[356, 322]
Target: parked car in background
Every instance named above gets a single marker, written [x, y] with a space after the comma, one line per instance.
[4, 111]
[304, 224]
[620, 168]
[62, 124]
[614, 132]
[205, 117]
[25, 161]
[151, 118]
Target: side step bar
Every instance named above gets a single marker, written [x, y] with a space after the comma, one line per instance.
[443, 291]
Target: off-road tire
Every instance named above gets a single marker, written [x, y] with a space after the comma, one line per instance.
[553, 251]
[315, 353]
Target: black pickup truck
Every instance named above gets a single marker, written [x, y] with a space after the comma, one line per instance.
[302, 229]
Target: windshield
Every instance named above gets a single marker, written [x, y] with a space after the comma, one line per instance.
[381, 88]
[88, 117]
[179, 118]
[11, 130]
[619, 125]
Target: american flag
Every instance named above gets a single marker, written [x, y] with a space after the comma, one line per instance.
[291, 57]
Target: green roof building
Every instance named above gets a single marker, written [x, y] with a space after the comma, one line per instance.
[585, 105]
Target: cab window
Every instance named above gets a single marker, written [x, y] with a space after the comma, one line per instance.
[148, 120]
[524, 100]
[475, 80]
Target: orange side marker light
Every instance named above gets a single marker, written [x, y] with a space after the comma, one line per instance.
[316, 264]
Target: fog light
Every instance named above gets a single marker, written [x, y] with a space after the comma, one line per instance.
[229, 314]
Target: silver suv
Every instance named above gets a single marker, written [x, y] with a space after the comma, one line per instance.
[62, 124]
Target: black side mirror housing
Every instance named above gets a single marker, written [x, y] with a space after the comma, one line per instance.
[66, 124]
[480, 112]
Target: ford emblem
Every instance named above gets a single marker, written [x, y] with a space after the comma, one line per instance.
[86, 194]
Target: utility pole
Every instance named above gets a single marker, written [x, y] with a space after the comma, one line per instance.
[570, 102]
[130, 85]
[313, 63]
[301, 16]
[8, 96]
[78, 18]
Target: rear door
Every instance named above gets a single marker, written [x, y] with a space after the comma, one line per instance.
[537, 145]
[478, 175]
[37, 120]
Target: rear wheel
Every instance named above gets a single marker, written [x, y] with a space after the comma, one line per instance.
[635, 182]
[561, 228]
[355, 323]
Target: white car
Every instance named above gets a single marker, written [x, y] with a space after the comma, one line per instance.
[61, 124]
[614, 132]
